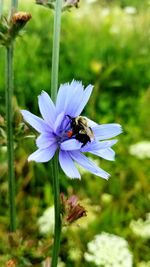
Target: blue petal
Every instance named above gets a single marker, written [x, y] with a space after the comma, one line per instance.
[104, 131]
[45, 140]
[71, 144]
[106, 153]
[85, 99]
[36, 122]
[47, 108]
[58, 122]
[88, 164]
[96, 145]
[74, 98]
[67, 165]
[43, 155]
[61, 97]
[69, 97]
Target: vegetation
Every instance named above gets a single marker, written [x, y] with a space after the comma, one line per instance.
[106, 45]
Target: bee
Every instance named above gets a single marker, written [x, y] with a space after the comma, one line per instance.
[80, 130]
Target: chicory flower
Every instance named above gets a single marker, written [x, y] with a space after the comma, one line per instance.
[55, 125]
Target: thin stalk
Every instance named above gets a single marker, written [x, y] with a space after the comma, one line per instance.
[9, 122]
[55, 50]
[1, 7]
[57, 230]
[55, 172]
[9, 117]
[14, 5]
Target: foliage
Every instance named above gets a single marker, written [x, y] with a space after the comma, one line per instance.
[108, 47]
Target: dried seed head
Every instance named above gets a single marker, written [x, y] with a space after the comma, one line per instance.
[20, 17]
[72, 210]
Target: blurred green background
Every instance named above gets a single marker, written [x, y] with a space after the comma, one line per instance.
[107, 44]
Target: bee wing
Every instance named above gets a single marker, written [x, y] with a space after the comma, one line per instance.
[90, 133]
[90, 122]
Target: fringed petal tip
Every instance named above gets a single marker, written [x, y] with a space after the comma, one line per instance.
[121, 129]
[107, 177]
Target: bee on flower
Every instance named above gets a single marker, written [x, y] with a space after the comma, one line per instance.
[62, 128]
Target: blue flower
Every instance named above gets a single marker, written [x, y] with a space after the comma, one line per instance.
[55, 126]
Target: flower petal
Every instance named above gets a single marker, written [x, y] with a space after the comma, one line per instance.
[67, 165]
[104, 131]
[36, 122]
[96, 145]
[45, 140]
[58, 122]
[47, 108]
[88, 164]
[43, 155]
[69, 97]
[107, 153]
[61, 97]
[85, 98]
[74, 99]
[71, 144]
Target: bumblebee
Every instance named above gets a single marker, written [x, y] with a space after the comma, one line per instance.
[80, 130]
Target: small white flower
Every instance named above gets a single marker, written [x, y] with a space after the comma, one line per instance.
[46, 221]
[109, 250]
[141, 150]
[141, 228]
[131, 10]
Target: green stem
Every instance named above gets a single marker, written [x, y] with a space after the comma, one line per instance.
[57, 230]
[55, 53]
[14, 5]
[9, 117]
[55, 173]
[1, 7]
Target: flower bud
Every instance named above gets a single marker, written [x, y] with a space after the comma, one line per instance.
[10, 28]
[71, 209]
[20, 18]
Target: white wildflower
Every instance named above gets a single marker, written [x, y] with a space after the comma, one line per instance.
[109, 250]
[141, 228]
[141, 150]
[130, 10]
[46, 221]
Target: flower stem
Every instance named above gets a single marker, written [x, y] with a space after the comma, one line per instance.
[14, 5]
[57, 230]
[55, 172]
[9, 122]
[55, 53]
[1, 7]
[9, 117]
